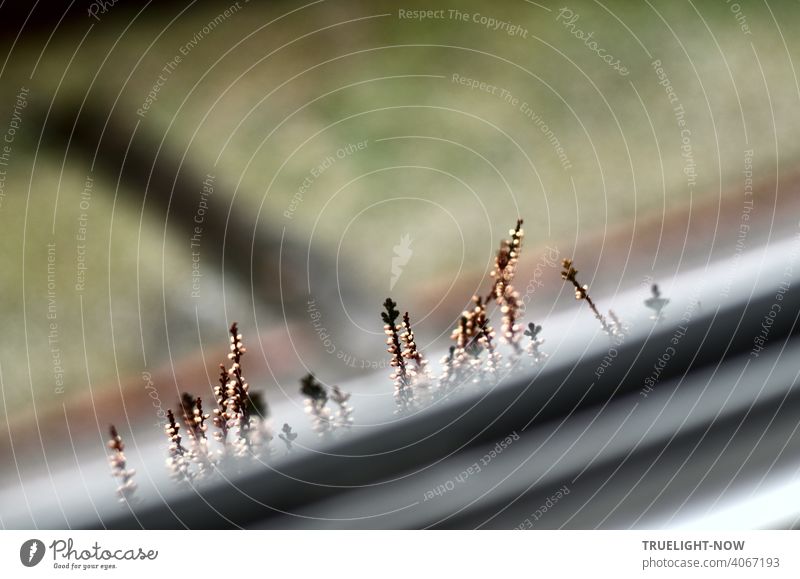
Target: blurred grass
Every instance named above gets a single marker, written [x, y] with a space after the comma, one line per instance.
[272, 102]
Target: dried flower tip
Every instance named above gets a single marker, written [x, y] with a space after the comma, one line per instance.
[391, 314]
[533, 331]
[569, 273]
[400, 376]
[311, 388]
[172, 429]
[193, 416]
[505, 262]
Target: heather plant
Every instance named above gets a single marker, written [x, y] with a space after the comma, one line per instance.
[126, 489]
[237, 394]
[177, 461]
[569, 273]
[239, 419]
[194, 420]
[472, 336]
[417, 367]
[472, 327]
[403, 395]
[221, 415]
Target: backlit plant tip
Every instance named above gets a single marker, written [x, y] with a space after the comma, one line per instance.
[569, 273]
[126, 488]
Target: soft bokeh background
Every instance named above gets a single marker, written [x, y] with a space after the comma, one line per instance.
[264, 96]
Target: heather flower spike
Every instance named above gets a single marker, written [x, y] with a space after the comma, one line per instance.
[400, 376]
[194, 419]
[503, 291]
[177, 462]
[221, 414]
[237, 392]
[467, 332]
[119, 468]
[569, 274]
[239, 405]
[239, 410]
[420, 376]
[472, 336]
[193, 416]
